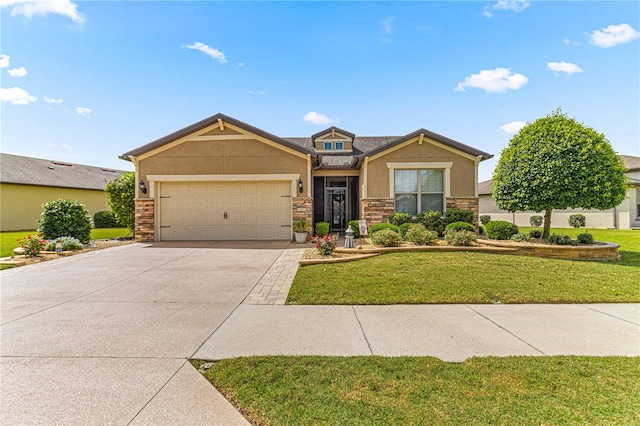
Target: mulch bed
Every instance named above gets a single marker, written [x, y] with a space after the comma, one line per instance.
[43, 257]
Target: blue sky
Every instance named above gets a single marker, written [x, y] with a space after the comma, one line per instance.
[87, 81]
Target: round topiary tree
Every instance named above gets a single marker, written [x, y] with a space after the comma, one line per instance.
[558, 163]
[65, 218]
[121, 193]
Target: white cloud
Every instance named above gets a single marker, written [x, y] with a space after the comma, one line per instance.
[4, 61]
[317, 118]
[513, 127]
[208, 50]
[510, 5]
[563, 66]
[614, 35]
[83, 110]
[568, 42]
[16, 96]
[17, 72]
[52, 100]
[493, 81]
[257, 92]
[387, 24]
[29, 8]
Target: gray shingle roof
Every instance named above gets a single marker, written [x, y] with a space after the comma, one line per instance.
[484, 188]
[36, 171]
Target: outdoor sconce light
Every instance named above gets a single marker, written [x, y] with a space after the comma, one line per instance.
[300, 185]
[143, 188]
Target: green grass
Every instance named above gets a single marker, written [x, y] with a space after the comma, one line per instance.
[8, 240]
[404, 391]
[410, 278]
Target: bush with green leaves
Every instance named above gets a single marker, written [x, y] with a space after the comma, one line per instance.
[62, 218]
[519, 237]
[459, 226]
[461, 238]
[105, 219]
[402, 229]
[355, 227]
[501, 230]
[419, 235]
[536, 221]
[399, 218]
[377, 227]
[585, 238]
[325, 244]
[386, 238]
[562, 240]
[535, 233]
[577, 220]
[32, 244]
[121, 192]
[457, 215]
[484, 219]
[322, 229]
[432, 220]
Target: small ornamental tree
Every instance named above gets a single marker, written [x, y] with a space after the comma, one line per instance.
[121, 192]
[558, 163]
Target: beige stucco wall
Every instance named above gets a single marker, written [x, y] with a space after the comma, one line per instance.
[21, 205]
[228, 157]
[462, 172]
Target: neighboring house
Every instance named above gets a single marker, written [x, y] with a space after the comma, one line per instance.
[27, 183]
[222, 179]
[625, 216]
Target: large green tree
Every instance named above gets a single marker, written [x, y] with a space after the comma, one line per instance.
[558, 163]
[121, 193]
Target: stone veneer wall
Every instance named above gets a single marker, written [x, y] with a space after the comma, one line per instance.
[376, 210]
[144, 220]
[302, 210]
[465, 204]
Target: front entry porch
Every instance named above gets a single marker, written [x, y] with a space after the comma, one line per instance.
[335, 201]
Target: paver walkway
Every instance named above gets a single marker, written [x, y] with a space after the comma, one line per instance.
[273, 288]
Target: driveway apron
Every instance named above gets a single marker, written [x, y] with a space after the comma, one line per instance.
[104, 337]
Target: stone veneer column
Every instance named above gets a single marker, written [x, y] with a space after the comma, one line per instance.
[144, 220]
[302, 210]
[376, 210]
[465, 204]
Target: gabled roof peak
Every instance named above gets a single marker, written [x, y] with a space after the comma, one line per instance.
[332, 129]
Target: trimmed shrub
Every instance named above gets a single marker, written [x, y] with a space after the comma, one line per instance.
[400, 218]
[519, 237]
[62, 218]
[386, 238]
[377, 227]
[121, 193]
[356, 228]
[561, 240]
[484, 219]
[461, 238]
[481, 230]
[585, 238]
[105, 219]
[577, 220]
[457, 215]
[432, 220]
[322, 229]
[419, 235]
[535, 233]
[459, 226]
[500, 230]
[402, 229]
[536, 221]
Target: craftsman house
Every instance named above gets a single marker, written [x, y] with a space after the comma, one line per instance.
[222, 179]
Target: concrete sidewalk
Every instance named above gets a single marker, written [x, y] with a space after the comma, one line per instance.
[449, 332]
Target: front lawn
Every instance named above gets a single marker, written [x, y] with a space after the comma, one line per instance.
[8, 240]
[403, 278]
[404, 391]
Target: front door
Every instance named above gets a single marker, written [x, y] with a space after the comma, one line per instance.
[337, 207]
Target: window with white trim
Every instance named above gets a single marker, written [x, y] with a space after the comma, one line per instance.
[328, 146]
[339, 145]
[419, 190]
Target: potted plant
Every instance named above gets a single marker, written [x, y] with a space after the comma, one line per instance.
[301, 229]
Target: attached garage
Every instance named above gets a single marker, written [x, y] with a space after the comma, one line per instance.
[224, 210]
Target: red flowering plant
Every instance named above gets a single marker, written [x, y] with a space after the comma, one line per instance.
[32, 244]
[325, 244]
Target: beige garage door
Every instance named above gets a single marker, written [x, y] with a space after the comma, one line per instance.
[225, 211]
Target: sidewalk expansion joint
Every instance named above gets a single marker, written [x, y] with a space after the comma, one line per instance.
[362, 330]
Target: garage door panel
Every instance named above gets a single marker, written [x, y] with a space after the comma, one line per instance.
[195, 210]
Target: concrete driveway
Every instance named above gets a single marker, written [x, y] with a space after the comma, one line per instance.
[103, 337]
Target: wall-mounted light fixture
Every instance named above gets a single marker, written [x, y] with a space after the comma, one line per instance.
[143, 188]
[300, 188]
